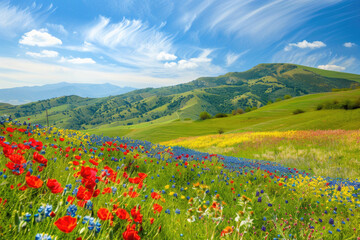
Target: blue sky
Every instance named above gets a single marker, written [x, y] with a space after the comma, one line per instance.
[143, 43]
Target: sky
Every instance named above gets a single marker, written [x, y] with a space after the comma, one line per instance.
[144, 43]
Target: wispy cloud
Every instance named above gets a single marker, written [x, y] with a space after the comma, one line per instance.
[233, 57]
[305, 44]
[40, 38]
[43, 54]
[58, 28]
[349, 44]
[14, 19]
[260, 20]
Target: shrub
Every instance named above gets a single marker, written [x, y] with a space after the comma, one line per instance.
[220, 131]
[297, 111]
[220, 115]
[187, 119]
[204, 116]
[278, 100]
[269, 102]
[287, 96]
[238, 111]
[319, 106]
[248, 109]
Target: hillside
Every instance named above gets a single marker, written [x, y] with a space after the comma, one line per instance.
[21, 95]
[252, 88]
[276, 116]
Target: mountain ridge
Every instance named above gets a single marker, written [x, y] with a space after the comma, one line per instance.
[22, 95]
[252, 88]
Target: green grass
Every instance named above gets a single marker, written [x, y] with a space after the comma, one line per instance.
[276, 116]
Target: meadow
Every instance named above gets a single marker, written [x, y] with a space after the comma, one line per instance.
[332, 153]
[64, 184]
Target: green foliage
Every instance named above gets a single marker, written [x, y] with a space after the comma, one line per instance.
[287, 96]
[298, 111]
[336, 104]
[278, 99]
[204, 116]
[269, 102]
[237, 111]
[220, 115]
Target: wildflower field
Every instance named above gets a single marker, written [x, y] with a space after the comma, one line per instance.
[331, 153]
[63, 184]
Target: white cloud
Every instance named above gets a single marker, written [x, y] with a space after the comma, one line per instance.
[40, 38]
[332, 67]
[163, 56]
[170, 64]
[78, 60]
[305, 44]
[201, 61]
[13, 19]
[184, 64]
[43, 54]
[349, 44]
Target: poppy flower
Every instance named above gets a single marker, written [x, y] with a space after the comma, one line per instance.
[83, 194]
[155, 195]
[54, 186]
[122, 214]
[33, 181]
[105, 214]
[66, 224]
[137, 216]
[131, 233]
[157, 208]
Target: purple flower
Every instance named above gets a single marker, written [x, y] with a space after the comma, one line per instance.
[263, 228]
[259, 199]
[331, 221]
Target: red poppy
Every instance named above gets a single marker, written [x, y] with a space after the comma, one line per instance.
[105, 214]
[136, 214]
[54, 186]
[136, 180]
[83, 194]
[33, 181]
[142, 175]
[66, 224]
[122, 213]
[157, 208]
[17, 159]
[131, 233]
[40, 158]
[155, 195]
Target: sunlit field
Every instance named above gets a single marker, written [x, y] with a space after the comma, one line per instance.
[62, 184]
[333, 153]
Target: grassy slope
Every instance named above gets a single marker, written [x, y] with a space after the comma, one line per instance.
[277, 116]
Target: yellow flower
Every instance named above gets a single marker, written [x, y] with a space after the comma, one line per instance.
[167, 187]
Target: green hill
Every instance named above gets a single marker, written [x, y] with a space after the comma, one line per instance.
[276, 116]
[252, 88]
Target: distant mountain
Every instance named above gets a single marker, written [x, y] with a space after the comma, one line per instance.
[21, 95]
[252, 88]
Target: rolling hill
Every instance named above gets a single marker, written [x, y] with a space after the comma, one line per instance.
[277, 116]
[252, 88]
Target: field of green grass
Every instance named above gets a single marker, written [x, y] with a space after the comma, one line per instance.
[277, 116]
